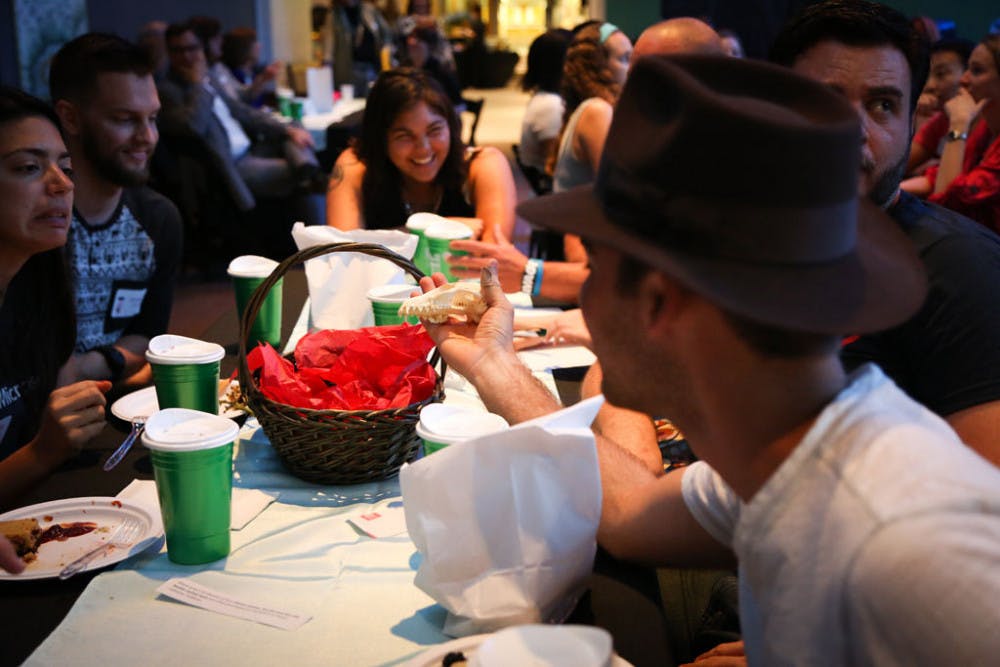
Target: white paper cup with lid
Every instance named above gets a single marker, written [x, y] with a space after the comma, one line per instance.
[185, 372]
[386, 300]
[439, 236]
[248, 272]
[442, 425]
[192, 456]
[549, 645]
[416, 224]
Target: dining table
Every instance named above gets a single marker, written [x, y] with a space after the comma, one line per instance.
[300, 555]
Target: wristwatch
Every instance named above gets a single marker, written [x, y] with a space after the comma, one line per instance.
[114, 358]
[954, 135]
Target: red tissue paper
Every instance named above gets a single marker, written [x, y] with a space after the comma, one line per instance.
[375, 368]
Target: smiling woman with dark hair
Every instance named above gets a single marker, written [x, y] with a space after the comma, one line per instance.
[40, 426]
[410, 158]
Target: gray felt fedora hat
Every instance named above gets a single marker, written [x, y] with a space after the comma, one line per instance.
[740, 179]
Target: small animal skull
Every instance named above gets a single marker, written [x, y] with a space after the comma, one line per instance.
[461, 298]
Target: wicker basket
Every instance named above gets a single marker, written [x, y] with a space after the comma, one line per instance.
[333, 446]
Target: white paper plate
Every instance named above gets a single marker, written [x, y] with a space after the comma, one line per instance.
[143, 402]
[107, 513]
[433, 656]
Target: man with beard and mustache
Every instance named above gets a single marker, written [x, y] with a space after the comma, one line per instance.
[946, 356]
[125, 240]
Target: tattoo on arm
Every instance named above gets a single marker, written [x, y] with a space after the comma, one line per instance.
[336, 177]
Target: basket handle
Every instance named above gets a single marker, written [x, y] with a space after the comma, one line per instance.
[260, 294]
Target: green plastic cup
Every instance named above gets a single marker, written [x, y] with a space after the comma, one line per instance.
[416, 224]
[248, 272]
[185, 372]
[192, 456]
[439, 236]
[297, 110]
[386, 300]
[285, 106]
[442, 425]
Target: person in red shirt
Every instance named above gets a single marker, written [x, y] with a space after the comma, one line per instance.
[948, 60]
[968, 177]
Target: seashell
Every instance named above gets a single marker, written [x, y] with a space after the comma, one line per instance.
[461, 298]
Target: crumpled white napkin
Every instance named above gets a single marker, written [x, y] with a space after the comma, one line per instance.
[339, 282]
[507, 523]
[247, 503]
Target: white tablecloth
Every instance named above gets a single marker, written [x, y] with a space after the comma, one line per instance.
[298, 555]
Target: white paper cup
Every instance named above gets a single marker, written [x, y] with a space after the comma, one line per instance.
[185, 372]
[439, 235]
[442, 425]
[550, 645]
[192, 456]
[346, 92]
[386, 299]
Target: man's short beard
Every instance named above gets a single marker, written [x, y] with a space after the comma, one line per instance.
[883, 190]
[107, 168]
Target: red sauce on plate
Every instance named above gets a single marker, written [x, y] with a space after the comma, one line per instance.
[64, 531]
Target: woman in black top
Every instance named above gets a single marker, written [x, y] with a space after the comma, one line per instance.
[41, 426]
[410, 158]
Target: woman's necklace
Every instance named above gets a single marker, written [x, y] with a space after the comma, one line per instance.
[414, 207]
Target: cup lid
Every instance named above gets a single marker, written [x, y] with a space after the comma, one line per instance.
[423, 220]
[391, 293]
[171, 350]
[251, 266]
[450, 424]
[551, 645]
[183, 430]
[448, 229]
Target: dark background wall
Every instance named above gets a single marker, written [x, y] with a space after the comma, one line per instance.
[125, 16]
[757, 20]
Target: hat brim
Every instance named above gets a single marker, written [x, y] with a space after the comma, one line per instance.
[879, 285]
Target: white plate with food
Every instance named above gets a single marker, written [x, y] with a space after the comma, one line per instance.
[143, 403]
[56, 533]
[467, 646]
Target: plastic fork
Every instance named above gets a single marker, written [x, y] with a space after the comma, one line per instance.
[138, 425]
[124, 536]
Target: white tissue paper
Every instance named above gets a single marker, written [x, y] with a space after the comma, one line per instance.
[319, 87]
[507, 522]
[339, 282]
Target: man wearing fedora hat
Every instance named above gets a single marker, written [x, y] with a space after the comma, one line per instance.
[857, 518]
[946, 356]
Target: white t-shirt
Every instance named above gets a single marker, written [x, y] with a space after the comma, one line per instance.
[542, 122]
[877, 542]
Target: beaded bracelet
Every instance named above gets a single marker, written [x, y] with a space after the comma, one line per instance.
[528, 277]
[537, 287]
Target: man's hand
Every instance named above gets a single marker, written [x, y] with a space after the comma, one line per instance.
[484, 355]
[928, 104]
[469, 347]
[300, 137]
[74, 415]
[9, 559]
[730, 654]
[962, 110]
[509, 260]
